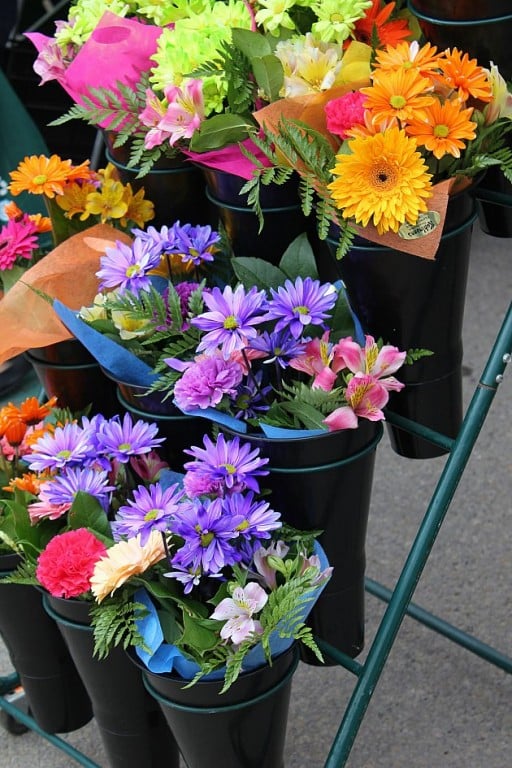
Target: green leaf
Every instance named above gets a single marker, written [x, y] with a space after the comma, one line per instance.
[87, 512]
[256, 272]
[269, 74]
[252, 44]
[218, 131]
[197, 635]
[299, 260]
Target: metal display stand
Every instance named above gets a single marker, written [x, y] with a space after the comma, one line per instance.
[398, 599]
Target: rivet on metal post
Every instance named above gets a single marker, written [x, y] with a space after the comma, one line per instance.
[499, 378]
[507, 358]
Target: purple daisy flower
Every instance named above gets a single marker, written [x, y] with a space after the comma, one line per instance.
[185, 291]
[189, 577]
[230, 320]
[64, 488]
[151, 509]
[258, 519]
[230, 461]
[126, 267]
[205, 382]
[297, 305]
[251, 398]
[208, 535]
[195, 244]
[160, 241]
[279, 346]
[122, 440]
[67, 446]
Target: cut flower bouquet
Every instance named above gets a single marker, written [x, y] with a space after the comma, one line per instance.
[196, 571]
[380, 161]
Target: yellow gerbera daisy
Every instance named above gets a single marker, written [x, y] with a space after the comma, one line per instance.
[383, 179]
[123, 560]
[444, 128]
[40, 175]
[400, 94]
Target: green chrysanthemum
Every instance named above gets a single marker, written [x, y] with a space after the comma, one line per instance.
[337, 18]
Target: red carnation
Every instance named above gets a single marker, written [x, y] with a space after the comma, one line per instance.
[65, 567]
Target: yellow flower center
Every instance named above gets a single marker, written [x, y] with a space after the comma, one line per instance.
[151, 515]
[398, 102]
[441, 131]
[206, 539]
[230, 468]
[336, 17]
[64, 454]
[383, 176]
[124, 447]
[41, 178]
[132, 270]
[230, 323]
[301, 310]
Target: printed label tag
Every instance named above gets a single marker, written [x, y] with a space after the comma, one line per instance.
[426, 224]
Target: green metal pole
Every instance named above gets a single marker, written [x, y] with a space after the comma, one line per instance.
[420, 550]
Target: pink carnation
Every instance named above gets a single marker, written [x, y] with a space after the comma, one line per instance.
[65, 567]
[206, 381]
[343, 113]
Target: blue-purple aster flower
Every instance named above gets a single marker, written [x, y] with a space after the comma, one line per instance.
[297, 305]
[127, 438]
[160, 241]
[195, 244]
[64, 488]
[151, 509]
[126, 267]
[189, 577]
[251, 398]
[208, 534]
[231, 318]
[236, 464]
[258, 519]
[278, 346]
[68, 446]
[205, 382]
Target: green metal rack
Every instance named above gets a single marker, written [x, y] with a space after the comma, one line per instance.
[398, 599]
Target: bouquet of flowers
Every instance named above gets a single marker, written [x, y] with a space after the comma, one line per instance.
[380, 161]
[197, 572]
[276, 349]
[190, 76]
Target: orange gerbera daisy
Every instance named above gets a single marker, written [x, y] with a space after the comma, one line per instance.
[82, 172]
[32, 412]
[444, 129]
[399, 94]
[409, 56]
[464, 75]
[29, 482]
[375, 24]
[40, 175]
[383, 179]
[43, 223]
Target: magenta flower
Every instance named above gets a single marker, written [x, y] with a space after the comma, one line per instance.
[365, 396]
[151, 509]
[66, 566]
[297, 305]
[18, 239]
[238, 612]
[378, 363]
[150, 116]
[230, 320]
[344, 113]
[185, 112]
[126, 267]
[232, 462]
[205, 382]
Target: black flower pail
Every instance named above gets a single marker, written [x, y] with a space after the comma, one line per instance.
[57, 699]
[245, 727]
[324, 483]
[417, 303]
[132, 728]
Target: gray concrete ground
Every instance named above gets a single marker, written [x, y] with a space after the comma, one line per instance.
[435, 704]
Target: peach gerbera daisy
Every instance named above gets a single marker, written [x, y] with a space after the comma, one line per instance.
[124, 560]
[40, 175]
[443, 130]
[409, 56]
[400, 94]
[464, 75]
[384, 179]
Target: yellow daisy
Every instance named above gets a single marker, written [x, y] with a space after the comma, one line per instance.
[40, 175]
[384, 179]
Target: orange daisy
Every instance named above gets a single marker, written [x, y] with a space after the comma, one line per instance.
[464, 75]
[375, 24]
[82, 172]
[40, 176]
[29, 482]
[12, 211]
[43, 223]
[444, 129]
[409, 56]
[399, 94]
[32, 412]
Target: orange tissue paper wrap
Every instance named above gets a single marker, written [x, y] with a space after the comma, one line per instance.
[67, 273]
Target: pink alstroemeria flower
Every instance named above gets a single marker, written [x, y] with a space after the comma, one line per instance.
[278, 549]
[185, 112]
[370, 360]
[317, 361]
[238, 610]
[150, 116]
[365, 396]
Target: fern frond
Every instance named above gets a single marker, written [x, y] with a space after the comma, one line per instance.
[114, 625]
[25, 573]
